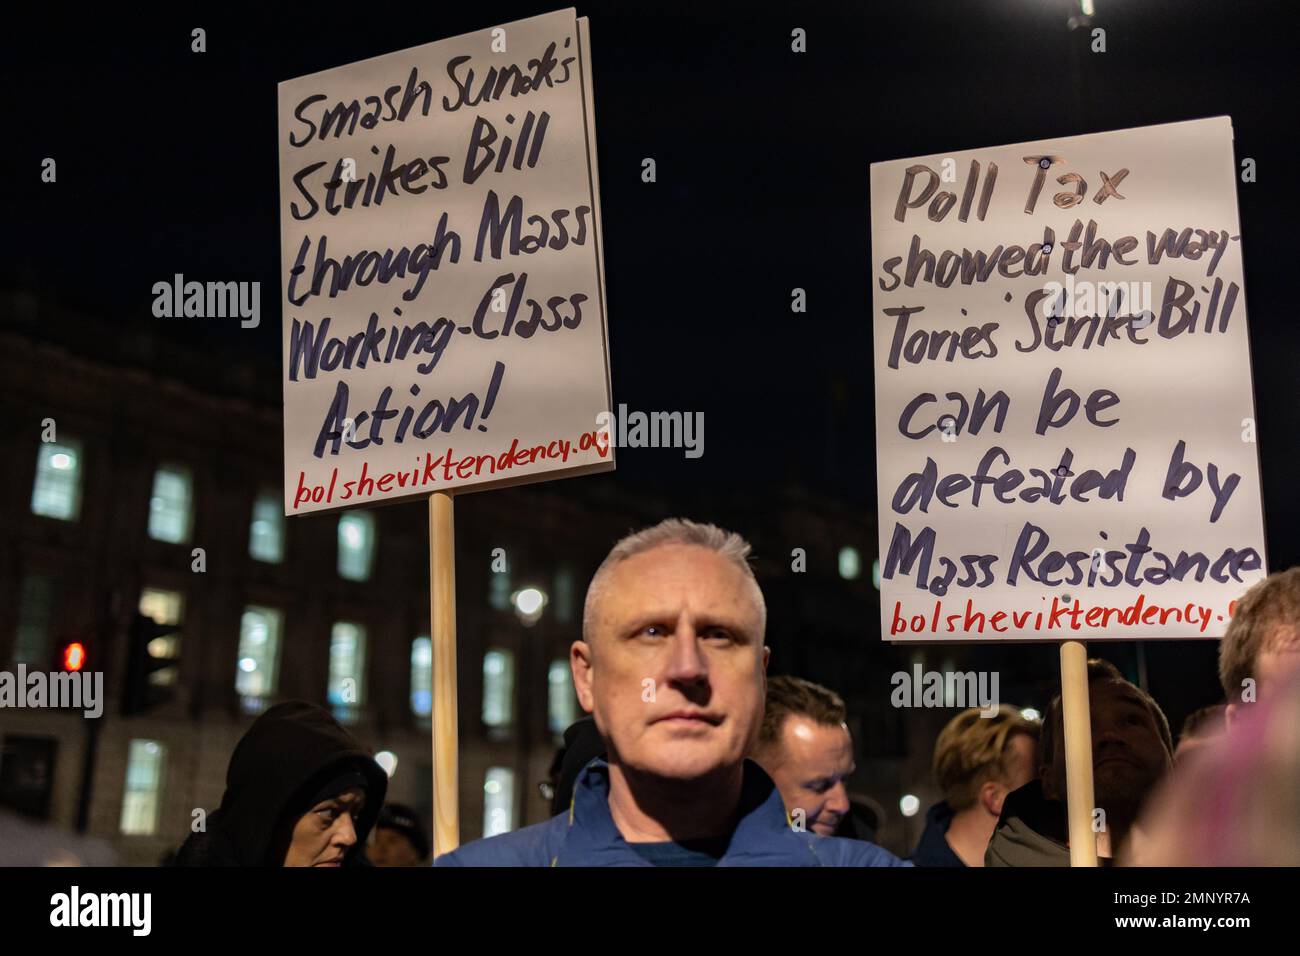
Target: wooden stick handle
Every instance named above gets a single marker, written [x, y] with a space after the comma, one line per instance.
[1078, 753]
[442, 621]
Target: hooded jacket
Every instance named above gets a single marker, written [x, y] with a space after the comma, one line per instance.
[587, 836]
[289, 753]
[582, 744]
[1032, 831]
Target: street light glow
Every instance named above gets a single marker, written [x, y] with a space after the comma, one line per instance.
[528, 604]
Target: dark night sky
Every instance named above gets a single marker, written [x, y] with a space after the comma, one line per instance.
[167, 163]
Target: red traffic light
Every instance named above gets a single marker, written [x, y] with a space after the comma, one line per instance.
[74, 656]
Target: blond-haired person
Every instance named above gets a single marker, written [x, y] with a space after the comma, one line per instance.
[977, 761]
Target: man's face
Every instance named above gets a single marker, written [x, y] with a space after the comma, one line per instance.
[1274, 664]
[1281, 656]
[327, 831]
[389, 847]
[809, 768]
[674, 672]
[1128, 754]
[1191, 745]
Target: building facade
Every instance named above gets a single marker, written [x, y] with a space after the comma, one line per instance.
[129, 490]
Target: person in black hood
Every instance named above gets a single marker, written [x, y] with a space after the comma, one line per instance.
[582, 745]
[300, 791]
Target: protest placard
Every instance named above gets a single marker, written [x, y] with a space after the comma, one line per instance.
[444, 295]
[444, 316]
[1065, 421]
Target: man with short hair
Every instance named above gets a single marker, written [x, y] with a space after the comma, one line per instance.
[1131, 750]
[398, 839]
[672, 664]
[977, 762]
[1199, 729]
[805, 747]
[1262, 642]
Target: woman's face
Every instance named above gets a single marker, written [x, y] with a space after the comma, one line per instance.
[325, 833]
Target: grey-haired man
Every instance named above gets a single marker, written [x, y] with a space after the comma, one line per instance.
[672, 664]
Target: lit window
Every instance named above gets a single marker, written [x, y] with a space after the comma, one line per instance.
[257, 669]
[949, 686]
[170, 505]
[499, 590]
[266, 536]
[347, 685]
[35, 617]
[141, 797]
[498, 801]
[561, 703]
[165, 607]
[57, 492]
[850, 563]
[421, 677]
[564, 590]
[356, 546]
[499, 689]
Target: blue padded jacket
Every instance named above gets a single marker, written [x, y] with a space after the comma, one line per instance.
[587, 835]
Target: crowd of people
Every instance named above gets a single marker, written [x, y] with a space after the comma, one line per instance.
[694, 756]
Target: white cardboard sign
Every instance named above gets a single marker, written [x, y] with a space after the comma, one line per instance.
[444, 314]
[1065, 422]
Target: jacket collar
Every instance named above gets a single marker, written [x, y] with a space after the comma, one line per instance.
[592, 838]
[933, 849]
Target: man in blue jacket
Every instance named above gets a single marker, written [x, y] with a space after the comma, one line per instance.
[672, 666]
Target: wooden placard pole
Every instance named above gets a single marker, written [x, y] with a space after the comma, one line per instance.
[1078, 753]
[442, 635]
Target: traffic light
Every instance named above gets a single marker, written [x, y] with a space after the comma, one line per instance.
[73, 658]
[145, 662]
[72, 654]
